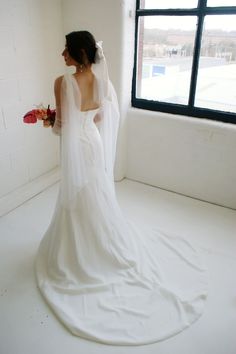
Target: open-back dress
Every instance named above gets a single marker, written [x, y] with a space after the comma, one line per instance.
[106, 279]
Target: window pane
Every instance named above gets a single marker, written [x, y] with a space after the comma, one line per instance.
[217, 67]
[168, 4]
[164, 58]
[221, 3]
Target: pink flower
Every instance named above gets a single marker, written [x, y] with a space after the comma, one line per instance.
[41, 113]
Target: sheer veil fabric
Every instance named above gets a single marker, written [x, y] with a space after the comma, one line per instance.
[106, 279]
[74, 169]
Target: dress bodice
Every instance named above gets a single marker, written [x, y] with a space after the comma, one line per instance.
[86, 118]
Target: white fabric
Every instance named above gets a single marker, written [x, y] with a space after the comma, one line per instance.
[106, 279]
[74, 174]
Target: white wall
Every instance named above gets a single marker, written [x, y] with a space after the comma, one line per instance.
[195, 157]
[31, 43]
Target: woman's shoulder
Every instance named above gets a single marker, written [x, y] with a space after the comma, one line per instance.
[58, 80]
[57, 83]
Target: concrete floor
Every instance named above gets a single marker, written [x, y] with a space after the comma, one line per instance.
[27, 325]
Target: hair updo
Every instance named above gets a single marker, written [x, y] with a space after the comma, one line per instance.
[79, 43]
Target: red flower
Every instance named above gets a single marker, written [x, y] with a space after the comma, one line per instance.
[46, 115]
[30, 117]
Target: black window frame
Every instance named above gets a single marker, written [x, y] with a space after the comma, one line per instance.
[187, 110]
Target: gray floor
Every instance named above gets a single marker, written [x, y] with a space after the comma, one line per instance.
[27, 325]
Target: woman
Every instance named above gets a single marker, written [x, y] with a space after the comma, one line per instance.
[105, 279]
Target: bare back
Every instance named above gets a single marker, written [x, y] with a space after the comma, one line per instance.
[87, 86]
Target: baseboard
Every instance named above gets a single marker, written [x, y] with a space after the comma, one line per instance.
[20, 195]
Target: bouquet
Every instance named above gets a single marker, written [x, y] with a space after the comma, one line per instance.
[46, 115]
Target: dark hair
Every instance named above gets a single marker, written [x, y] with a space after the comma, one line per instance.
[78, 41]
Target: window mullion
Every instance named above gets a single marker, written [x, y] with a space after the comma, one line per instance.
[196, 54]
[134, 81]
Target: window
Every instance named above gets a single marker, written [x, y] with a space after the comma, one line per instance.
[185, 58]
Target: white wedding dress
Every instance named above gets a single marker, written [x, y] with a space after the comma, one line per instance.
[106, 279]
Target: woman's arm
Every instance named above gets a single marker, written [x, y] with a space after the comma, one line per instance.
[97, 118]
[57, 92]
